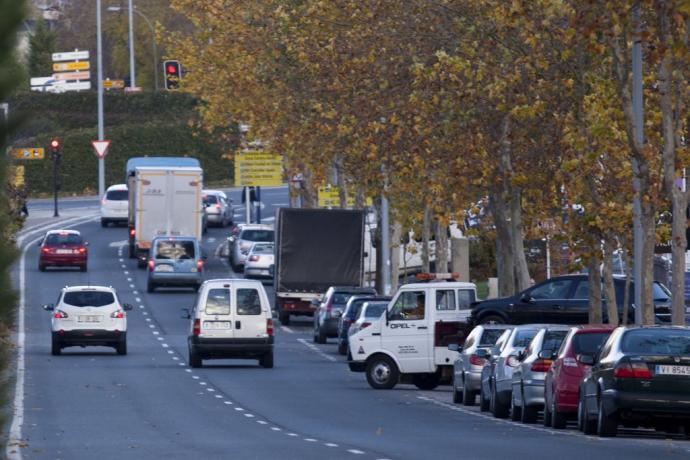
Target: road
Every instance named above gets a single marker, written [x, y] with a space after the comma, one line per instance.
[91, 402]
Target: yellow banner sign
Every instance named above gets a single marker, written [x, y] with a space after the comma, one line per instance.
[19, 176]
[62, 66]
[329, 197]
[29, 153]
[113, 84]
[258, 169]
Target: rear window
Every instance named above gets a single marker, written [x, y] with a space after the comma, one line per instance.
[553, 340]
[341, 298]
[117, 195]
[210, 199]
[68, 238]
[248, 302]
[218, 302]
[657, 341]
[589, 344]
[524, 337]
[355, 308]
[257, 235]
[174, 250]
[490, 336]
[88, 298]
[263, 249]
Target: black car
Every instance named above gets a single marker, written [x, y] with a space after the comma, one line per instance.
[354, 305]
[640, 377]
[561, 300]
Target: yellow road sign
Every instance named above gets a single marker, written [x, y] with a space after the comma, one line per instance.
[28, 153]
[258, 169]
[62, 66]
[84, 75]
[19, 176]
[329, 197]
[113, 84]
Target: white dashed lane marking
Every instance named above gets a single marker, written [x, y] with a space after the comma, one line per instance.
[316, 350]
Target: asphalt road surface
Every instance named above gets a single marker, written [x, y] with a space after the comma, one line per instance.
[90, 403]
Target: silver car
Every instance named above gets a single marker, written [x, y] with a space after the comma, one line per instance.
[370, 312]
[175, 261]
[527, 397]
[467, 368]
[260, 260]
[218, 207]
[241, 243]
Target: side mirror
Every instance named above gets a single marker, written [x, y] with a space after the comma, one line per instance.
[482, 353]
[454, 347]
[526, 298]
[586, 359]
[546, 354]
[127, 307]
[521, 355]
[186, 314]
[49, 307]
[513, 361]
[86, 243]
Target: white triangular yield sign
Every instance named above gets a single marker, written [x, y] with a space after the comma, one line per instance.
[101, 148]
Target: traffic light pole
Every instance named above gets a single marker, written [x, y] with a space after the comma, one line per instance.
[55, 184]
[258, 205]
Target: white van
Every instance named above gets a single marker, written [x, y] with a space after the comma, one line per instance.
[231, 319]
[409, 344]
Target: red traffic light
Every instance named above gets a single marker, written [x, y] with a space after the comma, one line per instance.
[173, 73]
[55, 144]
[171, 69]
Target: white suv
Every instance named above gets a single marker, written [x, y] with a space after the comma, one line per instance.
[115, 205]
[88, 316]
[231, 319]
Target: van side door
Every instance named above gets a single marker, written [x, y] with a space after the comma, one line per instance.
[406, 333]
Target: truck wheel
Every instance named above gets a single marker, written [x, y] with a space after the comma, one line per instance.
[426, 381]
[492, 319]
[41, 268]
[194, 359]
[267, 360]
[132, 254]
[284, 318]
[382, 373]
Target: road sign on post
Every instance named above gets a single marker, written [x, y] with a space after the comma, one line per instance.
[28, 153]
[101, 148]
[258, 169]
[71, 56]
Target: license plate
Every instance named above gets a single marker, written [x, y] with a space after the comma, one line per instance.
[63, 251]
[164, 268]
[665, 369]
[215, 325]
[89, 318]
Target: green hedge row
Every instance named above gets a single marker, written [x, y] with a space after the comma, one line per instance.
[160, 124]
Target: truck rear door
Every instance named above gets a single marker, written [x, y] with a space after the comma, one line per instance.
[406, 332]
[186, 185]
[150, 206]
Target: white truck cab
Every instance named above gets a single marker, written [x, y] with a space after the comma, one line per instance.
[409, 344]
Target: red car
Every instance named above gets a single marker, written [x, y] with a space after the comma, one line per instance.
[562, 381]
[63, 248]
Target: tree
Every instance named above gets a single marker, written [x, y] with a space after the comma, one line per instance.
[41, 49]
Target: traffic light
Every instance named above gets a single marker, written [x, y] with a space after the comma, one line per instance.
[55, 146]
[173, 73]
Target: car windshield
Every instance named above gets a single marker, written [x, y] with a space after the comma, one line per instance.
[257, 235]
[117, 195]
[175, 249]
[523, 337]
[60, 238]
[375, 310]
[88, 298]
[210, 199]
[589, 343]
[673, 342]
[490, 336]
[262, 249]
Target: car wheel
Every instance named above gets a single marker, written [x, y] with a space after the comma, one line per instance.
[498, 409]
[56, 347]
[492, 319]
[382, 373]
[319, 336]
[547, 412]
[41, 268]
[584, 423]
[686, 431]
[515, 411]
[468, 396]
[558, 418]
[83, 268]
[607, 425]
[150, 287]
[483, 401]
[194, 358]
[284, 318]
[426, 381]
[267, 360]
[457, 395]
[121, 347]
[529, 413]
[104, 223]
[342, 348]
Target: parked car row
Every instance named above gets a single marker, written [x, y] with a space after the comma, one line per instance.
[601, 376]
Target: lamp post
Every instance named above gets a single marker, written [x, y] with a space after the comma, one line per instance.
[153, 39]
[101, 128]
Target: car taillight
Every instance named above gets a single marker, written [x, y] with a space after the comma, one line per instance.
[628, 370]
[218, 207]
[541, 365]
[253, 258]
[45, 250]
[570, 362]
[151, 265]
[476, 360]
[132, 233]
[118, 314]
[59, 314]
[196, 330]
[365, 324]
[82, 250]
[200, 265]
[269, 327]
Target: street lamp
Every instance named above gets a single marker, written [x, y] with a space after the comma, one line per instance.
[115, 9]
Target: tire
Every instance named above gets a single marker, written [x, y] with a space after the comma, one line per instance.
[41, 268]
[492, 319]
[150, 287]
[515, 411]
[194, 358]
[457, 395]
[468, 396]
[585, 425]
[342, 348]
[121, 347]
[426, 382]
[83, 268]
[559, 420]
[382, 373]
[607, 425]
[483, 402]
[686, 431]
[319, 336]
[498, 409]
[529, 414]
[104, 223]
[284, 318]
[266, 360]
[548, 415]
[55, 347]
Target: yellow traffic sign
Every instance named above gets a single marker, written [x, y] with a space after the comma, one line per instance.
[258, 169]
[113, 84]
[62, 66]
[19, 176]
[28, 153]
[329, 197]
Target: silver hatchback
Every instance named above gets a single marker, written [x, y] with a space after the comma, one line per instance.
[241, 242]
[260, 260]
[218, 207]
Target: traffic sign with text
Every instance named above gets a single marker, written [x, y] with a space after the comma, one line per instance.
[84, 75]
[70, 56]
[66, 66]
[258, 169]
[28, 153]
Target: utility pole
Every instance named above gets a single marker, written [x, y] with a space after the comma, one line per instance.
[385, 241]
[638, 121]
[101, 129]
[132, 76]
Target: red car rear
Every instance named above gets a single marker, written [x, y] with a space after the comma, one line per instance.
[63, 248]
[562, 382]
